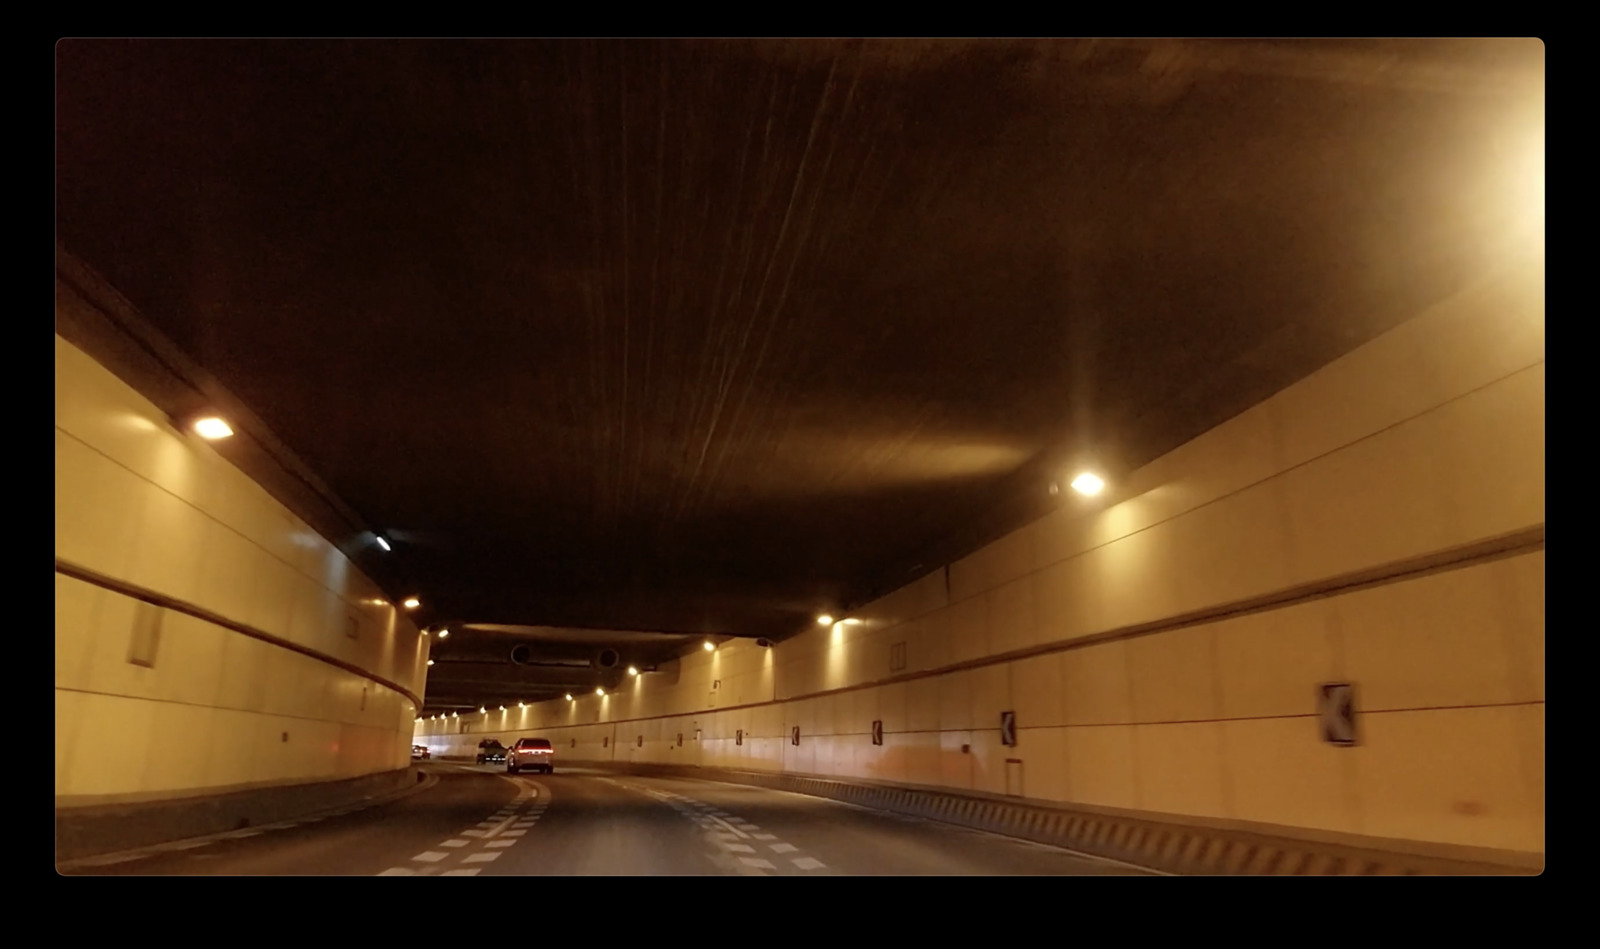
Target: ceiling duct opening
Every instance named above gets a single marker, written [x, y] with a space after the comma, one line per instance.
[606, 659]
[522, 654]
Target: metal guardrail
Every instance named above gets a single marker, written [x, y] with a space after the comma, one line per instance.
[1159, 845]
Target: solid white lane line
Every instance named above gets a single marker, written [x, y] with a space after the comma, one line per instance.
[432, 856]
[808, 863]
[479, 857]
[757, 862]
[783, 848]
[454, 843]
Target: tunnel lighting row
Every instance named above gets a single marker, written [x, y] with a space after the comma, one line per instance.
[212, 428]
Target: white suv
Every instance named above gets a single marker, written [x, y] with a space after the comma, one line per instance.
[534, 754]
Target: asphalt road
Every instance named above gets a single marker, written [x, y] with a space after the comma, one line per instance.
[475, 820]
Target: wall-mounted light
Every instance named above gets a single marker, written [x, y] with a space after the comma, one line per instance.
[411, 603]
[599, 691]
[633, 670]
[502, 708]
[569, 696]
[483, 710]
[825, 620]
[851, 622]
[709, 646]
[1088, 484]
[430, 662]
[522, 705]
[212, 428]
[444, 634]
[383, 542]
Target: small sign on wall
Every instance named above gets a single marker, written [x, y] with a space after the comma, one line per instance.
[738, 737]
[1336, 703]
[1008, 729]
[877, 732]
[794, 735]
[641, 741]
[680, 739]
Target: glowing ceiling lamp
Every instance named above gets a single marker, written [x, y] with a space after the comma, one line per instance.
[212, 428]
[1088, 484]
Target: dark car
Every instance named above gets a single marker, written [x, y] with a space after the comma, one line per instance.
[490, 751]
[534, 754]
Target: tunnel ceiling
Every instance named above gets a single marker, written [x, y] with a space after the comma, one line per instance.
[705, 337]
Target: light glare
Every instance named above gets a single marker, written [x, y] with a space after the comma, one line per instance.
[708, 646]
[411, 603]
[1087, 484]
[212, 428]
[825, 620]
[444, 634]
[383, 543]
[633, 670]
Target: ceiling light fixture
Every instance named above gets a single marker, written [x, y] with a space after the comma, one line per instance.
[1088, 484]
[708, 646]
[633, 670]
[825, 620]
[430, 662]
[212, 428]
[569, 696]
[599, 691]
[444, 634]
[411, 603]
[384, 543]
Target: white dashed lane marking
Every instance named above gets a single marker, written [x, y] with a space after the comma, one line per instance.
[498, 833]
[725, 831]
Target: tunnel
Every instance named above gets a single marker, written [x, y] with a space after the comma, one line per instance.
[799, 458]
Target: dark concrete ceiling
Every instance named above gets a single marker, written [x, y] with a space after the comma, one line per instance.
[704, 337]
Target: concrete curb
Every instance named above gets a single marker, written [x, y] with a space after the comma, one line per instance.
[101, 830]
[1159, 845]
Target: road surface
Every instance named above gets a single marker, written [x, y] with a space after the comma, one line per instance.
[475, 820]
